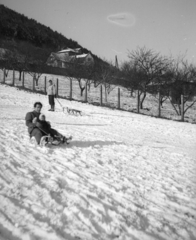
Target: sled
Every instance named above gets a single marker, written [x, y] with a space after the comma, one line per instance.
[74, 111]
[48, 140]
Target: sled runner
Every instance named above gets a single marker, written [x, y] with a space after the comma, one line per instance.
[48, 140]
[70, 110]
[74, 111]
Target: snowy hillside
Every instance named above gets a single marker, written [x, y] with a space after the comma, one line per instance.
[126, 102]
[124, 176]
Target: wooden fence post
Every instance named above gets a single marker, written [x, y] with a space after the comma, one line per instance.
[118, 98]
[45, 85]
[159, 104]
[13, 82]
[182, 108]
[4, 73]
[85, 97]
[106, 96]
[70, 92]
[57, 87]
[138, 101]
[23, 79]
[101, 95]
[33, 83]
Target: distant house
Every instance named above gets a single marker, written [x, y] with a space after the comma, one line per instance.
[68, 56]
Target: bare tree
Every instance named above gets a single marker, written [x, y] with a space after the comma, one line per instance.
[32, 61]
[183, 83]
[128, 77]
[20, 65]
[34, 66]
[81, 73]
[12, 59]
[18, 62]
[104, 73]
[6, 61]
[35, 70]
[147, 67]
[160, 87]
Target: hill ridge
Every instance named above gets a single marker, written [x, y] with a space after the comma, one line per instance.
[16, 30]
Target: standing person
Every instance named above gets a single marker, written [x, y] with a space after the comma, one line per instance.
[51, 91]
[35, 122]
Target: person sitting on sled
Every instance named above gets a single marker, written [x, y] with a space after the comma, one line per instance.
[43, 124]
[38, 128]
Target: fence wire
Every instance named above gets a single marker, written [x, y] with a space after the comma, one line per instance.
[128, 100]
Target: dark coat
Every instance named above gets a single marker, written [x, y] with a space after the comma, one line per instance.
[29, 120]
[44, 126]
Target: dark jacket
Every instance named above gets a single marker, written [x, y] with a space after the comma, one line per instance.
[29, 118]
[44, 126]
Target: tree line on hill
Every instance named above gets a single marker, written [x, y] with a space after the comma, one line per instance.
[19, 33]
[17, 26]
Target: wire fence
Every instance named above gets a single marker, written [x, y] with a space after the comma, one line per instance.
[117, 98]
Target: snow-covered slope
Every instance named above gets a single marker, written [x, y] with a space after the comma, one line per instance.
[124, 176]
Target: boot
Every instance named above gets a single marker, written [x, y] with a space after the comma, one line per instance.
[52, 108]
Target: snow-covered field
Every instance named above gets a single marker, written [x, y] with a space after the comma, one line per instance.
[124, 176]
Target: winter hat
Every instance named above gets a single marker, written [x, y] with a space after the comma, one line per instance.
[42, 117]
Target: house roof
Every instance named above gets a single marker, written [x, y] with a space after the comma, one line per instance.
[76, 50]
[81, 55]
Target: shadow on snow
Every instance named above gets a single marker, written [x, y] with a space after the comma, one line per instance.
[86, 144]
